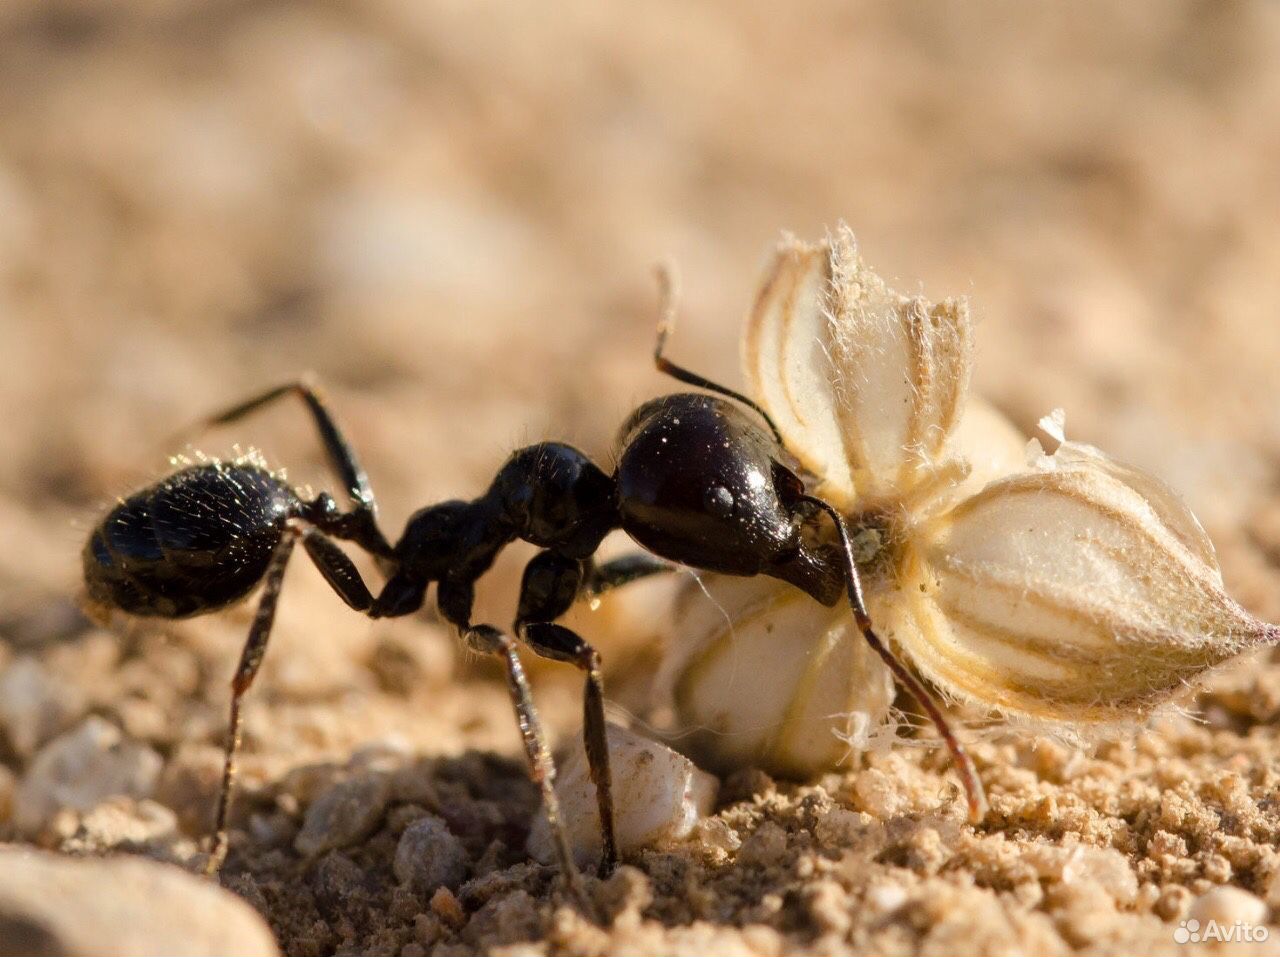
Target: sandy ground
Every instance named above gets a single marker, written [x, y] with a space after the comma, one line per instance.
[450, 214]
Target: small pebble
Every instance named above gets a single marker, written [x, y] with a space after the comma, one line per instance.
[883, 899]
[446, 906]
[79, 770]
[658, 797]
[429, 856]
[511, 917]
[1228, 906]
[121, 906]
[829, 907]
[765, 847]
[841, 827]
[35, 706]
[125, 821]
[342, 815]
[1107, 867]
[878, 794]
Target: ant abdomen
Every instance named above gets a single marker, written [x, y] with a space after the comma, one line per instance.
[197, 541]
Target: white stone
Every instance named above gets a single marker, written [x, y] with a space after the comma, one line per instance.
[120, 907]
[1228, 906]
[886, 898]
[658, 797]
[33, 705]
[1107, 867]
[125, 821]
[79, 770]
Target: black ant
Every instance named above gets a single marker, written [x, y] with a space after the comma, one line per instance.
[698, 483]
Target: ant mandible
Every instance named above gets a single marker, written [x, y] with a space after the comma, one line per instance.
[698, 483]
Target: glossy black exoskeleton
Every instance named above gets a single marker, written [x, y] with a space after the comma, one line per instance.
[702, 484]
[700, 481]
[148, 556]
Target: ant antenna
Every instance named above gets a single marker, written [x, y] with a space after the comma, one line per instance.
[669, 297]
[853, 584]
[668, 275]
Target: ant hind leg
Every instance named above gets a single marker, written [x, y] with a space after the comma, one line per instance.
[255, 647]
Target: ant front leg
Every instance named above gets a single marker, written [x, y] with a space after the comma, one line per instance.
[974, 793]
[551, 584]
[456, 599]
[360, 525]
[623, 570]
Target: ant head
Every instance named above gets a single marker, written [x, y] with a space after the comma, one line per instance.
[701, 483]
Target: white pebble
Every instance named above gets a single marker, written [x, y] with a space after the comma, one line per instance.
[884, 899]
[54, 904]
[1105, 866]
[80, 770]
[124, 821]
[34, 706]
[1228, 906]
[658, 797]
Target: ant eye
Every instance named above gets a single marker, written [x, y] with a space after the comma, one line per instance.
[718, 500]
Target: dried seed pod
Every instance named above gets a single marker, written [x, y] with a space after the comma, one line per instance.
[1070, 590]
[764, 676]
[865, 384]
[1080, 590]
[767, 677]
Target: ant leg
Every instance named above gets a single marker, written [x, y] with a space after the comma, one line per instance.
[338, 570]
[254, 648]
[343, 577]
[550, 585]
[455, 599]
[669, 294]
[558, 643]
[853, 584]
[361, 525]
[623, 570]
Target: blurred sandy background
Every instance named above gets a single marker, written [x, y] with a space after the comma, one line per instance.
[450, 213]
